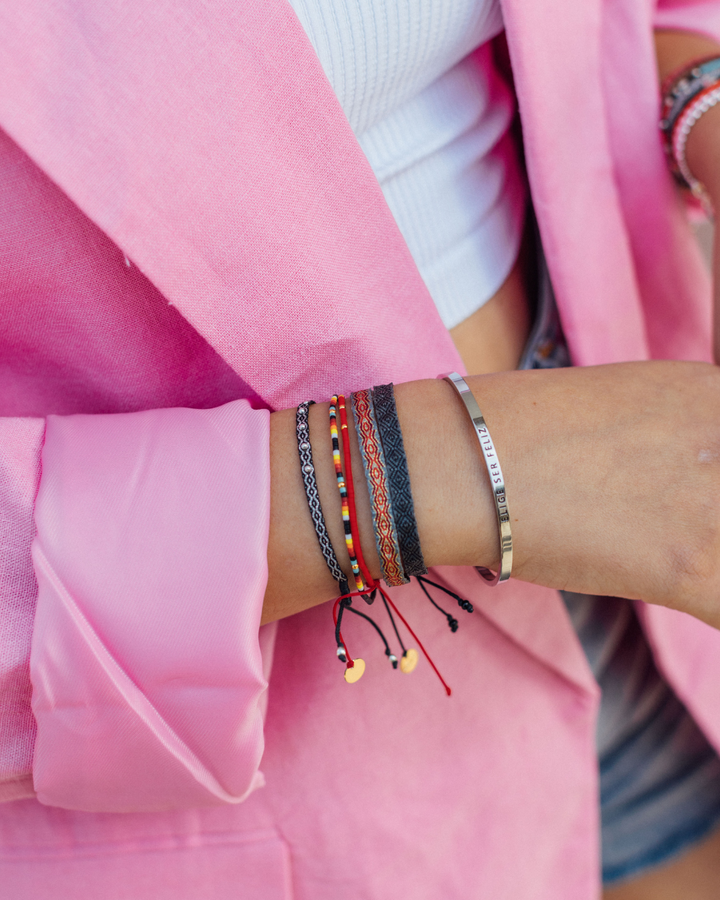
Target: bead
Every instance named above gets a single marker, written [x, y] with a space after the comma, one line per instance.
[307, 468]
[304, 445]
[341, 653]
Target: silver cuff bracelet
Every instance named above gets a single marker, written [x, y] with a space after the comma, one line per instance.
[497, 481]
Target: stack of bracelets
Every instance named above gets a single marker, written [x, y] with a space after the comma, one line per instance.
[687, 96]
[376, 422]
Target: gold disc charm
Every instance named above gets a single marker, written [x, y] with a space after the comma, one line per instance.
[408, 661]
[356, 672]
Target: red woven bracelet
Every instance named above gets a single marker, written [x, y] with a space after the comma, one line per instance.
[376, 476]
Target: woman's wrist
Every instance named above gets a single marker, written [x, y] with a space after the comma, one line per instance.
[612, 476]
[675, 51]
[453, 503]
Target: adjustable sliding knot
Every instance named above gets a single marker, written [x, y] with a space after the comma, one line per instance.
[453, 623]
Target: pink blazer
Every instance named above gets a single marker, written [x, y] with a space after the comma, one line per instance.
[190, 237]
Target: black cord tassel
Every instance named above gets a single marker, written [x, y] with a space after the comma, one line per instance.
[395, 628]
[462, 602]
[452, 622]
[345, 604]
[342, 655]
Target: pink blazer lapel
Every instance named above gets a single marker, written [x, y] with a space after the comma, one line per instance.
[208, 144]
[570, 166]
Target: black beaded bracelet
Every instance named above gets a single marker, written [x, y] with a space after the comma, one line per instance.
[307, 468]
[403, 507]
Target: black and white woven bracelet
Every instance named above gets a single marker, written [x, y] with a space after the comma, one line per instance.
[403, 508]
[307, 469]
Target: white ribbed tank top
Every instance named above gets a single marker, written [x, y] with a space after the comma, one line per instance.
[432, 117]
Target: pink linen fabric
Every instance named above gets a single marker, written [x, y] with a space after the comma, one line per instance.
[190, 237]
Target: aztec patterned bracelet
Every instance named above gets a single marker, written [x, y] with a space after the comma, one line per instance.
[307, 468]
[403, 508]
[496, 479]
[373, 458]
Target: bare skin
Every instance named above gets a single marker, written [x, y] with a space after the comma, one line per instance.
[694, 876]
[493, 338]
[629, 499]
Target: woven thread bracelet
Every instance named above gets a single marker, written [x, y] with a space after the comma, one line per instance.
[401, 500]
[373, 458]
[497, 481]
[307, 469]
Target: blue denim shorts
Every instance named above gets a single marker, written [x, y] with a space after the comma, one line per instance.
[659, 776]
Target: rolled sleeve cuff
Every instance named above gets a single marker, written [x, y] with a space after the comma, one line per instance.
[151, 558]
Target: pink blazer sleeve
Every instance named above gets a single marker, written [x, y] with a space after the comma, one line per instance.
[702, 16]
[148, 676]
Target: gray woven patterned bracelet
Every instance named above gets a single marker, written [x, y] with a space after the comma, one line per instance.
[403, 507]
[307, 469]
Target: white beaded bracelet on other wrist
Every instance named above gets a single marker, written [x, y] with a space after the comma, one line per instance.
[695, 110]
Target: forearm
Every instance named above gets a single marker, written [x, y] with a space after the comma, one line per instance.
[612, 472]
